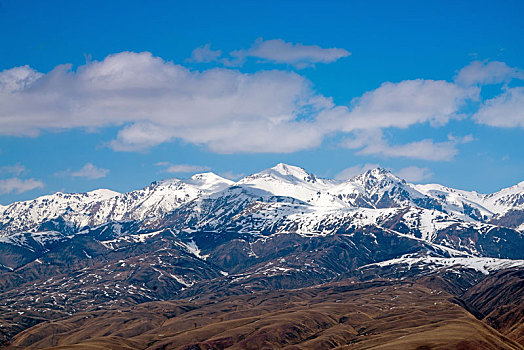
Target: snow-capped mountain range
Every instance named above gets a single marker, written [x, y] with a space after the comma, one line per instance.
[282, 192]
[281, 228]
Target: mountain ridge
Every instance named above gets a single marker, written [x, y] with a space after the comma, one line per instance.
[374, 189]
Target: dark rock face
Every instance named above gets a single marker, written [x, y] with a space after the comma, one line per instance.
[512, 218]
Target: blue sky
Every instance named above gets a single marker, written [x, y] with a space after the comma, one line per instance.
[118, 94]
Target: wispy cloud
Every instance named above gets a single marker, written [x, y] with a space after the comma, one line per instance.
[482, 73]
[18, 185]
[181, 168]
[231, 175]
[373, 143]
[296, 54]
[88, 171]
[414, 174]
[205, 54]
[16, 169]
[354, 171]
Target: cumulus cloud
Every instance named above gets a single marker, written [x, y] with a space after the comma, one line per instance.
[483, 73]
[506, 110]
[89, 171]
[18, 185]
[153, 101]
[414, 174]
[18, 78]
[182, 168]
[401, 105]
[354, 171]
[156, 101]
[298, 55]
[205, 54]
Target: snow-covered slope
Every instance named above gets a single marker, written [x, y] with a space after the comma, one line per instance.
[102, 206]
[505, 199]
[476, 205]
[377, 188]
[291, 181]
[156, 199]
[484, 265]
[283, 198]
[26, 215]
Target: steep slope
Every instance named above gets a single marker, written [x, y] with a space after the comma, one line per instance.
[378, 188]
[507, 198]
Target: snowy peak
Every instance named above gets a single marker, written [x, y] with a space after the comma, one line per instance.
[102, 206]
[378, 188]
[292, 181]
[375, 189]
[209, 182]
[507, 198]
[464, 204]
[475, 205]
[376, 179]
[158, 199]
[291, 172]
[282, 172]
[102, 194]
[28, 215]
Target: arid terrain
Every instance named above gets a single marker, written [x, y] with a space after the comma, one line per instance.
[381, 314]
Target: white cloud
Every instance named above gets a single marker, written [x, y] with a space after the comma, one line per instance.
[88, 171]
[299, 55]
[461, 139]
[483, 73]
[182, 168]
[17, 185]
[401, 105]
[506, 110]
[354, 171]
[157, 101]
[16, 169]
[152, 101]
[414, 174]
[425, 149]
[18, 78]
[204, 54]
[372, 142]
